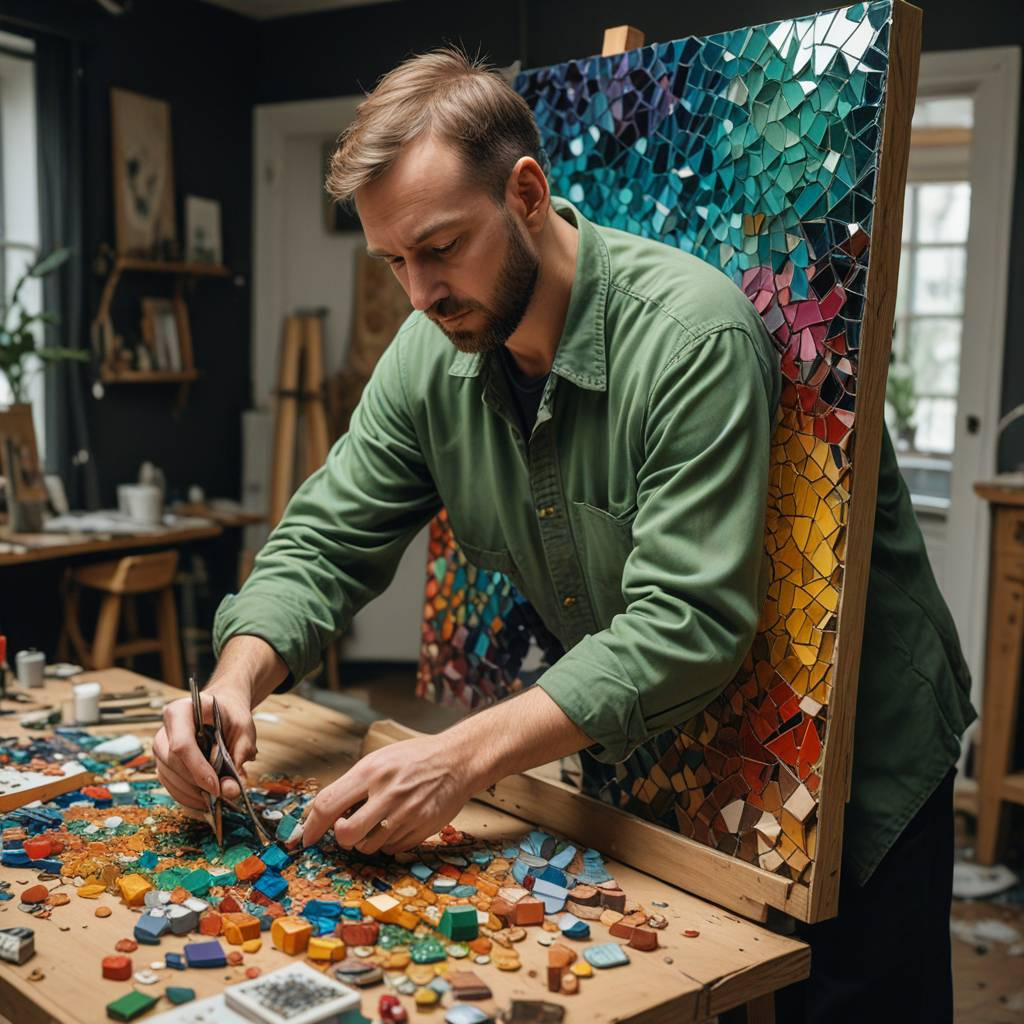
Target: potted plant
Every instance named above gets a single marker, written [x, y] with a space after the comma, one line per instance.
[18, 340]
[900, 397]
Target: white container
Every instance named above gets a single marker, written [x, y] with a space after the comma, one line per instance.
[31, 665]
[122, 497]
[145, 504]
[87, 703]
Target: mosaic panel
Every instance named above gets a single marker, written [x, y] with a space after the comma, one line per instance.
[482, 640]
[755, 150]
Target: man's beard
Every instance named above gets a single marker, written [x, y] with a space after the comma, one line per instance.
[517, 279]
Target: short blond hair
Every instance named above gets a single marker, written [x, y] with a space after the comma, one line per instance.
[462, 99]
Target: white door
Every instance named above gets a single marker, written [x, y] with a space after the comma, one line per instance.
[944, 385]
[299, 264]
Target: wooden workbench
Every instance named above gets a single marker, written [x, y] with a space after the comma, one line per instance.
[731, 963]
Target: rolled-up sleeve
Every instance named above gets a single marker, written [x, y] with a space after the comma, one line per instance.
[342, 535]
[695, 579]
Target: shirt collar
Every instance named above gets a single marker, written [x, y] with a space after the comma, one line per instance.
[580, 356]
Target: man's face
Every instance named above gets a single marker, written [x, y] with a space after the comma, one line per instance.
[462, 259]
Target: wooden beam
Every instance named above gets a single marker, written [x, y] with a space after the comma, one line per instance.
[621, 38]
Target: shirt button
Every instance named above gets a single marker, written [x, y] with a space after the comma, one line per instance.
[569, 601]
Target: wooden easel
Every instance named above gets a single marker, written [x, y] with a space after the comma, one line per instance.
[302, 360]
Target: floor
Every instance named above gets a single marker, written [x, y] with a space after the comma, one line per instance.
[988, 935]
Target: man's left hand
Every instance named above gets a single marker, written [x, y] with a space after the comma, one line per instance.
[395, 797]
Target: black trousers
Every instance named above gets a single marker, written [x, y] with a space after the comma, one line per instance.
[886, 956]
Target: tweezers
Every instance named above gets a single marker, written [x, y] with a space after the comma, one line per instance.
[210, 740]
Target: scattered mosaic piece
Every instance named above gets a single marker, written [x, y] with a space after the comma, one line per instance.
[17, 944]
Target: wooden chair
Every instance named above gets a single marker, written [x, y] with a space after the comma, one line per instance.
[120, 583]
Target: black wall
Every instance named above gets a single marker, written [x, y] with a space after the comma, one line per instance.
[199, 58]
[340, 52]
[213, 66]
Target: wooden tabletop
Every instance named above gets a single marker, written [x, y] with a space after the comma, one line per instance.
[730, 963]
[42, 547]
[1005, 490]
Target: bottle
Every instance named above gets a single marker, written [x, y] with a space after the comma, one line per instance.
[4, 667]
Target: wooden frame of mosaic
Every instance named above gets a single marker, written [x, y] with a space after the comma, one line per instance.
[876, 344]
[744, 804]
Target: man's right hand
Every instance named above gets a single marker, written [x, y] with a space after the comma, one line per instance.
[185, 773]
[248, 670]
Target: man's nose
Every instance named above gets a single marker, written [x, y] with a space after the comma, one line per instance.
[425, 288]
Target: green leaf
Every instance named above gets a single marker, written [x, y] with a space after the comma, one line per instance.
[31, 318]
[47, 264]
[56, 354]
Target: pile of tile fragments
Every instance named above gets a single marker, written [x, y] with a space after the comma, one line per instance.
[423, 923]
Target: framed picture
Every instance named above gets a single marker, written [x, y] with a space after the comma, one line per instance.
[25, 486]
[166, 334]
[337, 217]
[202, 230]
[143, 176]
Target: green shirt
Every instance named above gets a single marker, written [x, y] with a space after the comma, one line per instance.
[633, 520]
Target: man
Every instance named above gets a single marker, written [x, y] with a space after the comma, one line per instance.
[594, 410]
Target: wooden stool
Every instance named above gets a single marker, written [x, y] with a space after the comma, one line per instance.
[120, 583]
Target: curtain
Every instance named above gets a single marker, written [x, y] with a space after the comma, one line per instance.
[59, 129]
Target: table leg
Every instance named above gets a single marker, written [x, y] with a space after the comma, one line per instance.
[761, 1010]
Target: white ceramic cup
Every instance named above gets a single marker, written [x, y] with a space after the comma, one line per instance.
[144, 504]
[122, 498]
[31, 667]
[87, 703]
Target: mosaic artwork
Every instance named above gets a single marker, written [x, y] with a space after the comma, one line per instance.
[482, 640]
[757, 151]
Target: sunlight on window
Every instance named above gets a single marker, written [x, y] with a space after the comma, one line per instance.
[921, 398]
[19, 203]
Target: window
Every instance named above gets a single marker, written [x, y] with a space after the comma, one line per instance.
[19, 194]
[921, 398]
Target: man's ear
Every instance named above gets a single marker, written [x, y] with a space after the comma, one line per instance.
[527, 194]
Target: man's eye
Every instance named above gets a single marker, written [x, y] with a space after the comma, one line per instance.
[395, 261]
[443, 250]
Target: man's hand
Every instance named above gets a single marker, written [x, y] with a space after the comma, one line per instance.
[248, 670]
[401, 794]
[180, 764]
[394, 798]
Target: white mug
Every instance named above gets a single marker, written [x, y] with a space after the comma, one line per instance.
[144, 504]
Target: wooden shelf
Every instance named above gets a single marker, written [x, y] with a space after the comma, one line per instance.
[106, 343]
[109, 376]
[123, 263]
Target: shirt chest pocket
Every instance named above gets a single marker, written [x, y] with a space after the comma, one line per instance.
[494, 559]
[605, 542]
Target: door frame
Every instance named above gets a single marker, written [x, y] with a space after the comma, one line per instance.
[273, 124]
[991, 76]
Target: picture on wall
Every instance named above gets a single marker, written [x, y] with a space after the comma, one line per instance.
[143, 176]
[24, 485]
[202, 231]
[338, 217]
